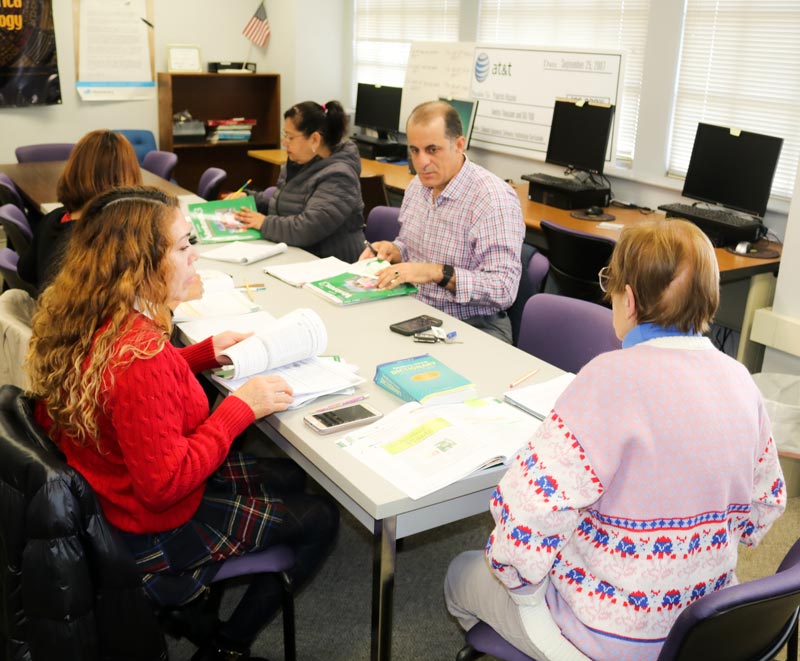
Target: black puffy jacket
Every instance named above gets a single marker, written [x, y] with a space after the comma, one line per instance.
[71, 590]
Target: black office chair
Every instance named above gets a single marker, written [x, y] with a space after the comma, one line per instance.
[575, 258]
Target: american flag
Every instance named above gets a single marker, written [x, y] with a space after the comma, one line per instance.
[257, 28]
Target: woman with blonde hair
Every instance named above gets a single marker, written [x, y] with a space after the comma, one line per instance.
[101, 160]
[631, 499]
[124, 406]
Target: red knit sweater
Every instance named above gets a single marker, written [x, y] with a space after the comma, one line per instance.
[159, 443]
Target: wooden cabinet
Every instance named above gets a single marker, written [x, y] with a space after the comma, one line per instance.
[221, 96]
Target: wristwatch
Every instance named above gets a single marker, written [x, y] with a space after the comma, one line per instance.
[447, 273]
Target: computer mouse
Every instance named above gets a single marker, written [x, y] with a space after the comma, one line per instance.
[743, 247]
[594, 211]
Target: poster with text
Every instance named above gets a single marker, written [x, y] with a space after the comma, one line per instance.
[28, 59]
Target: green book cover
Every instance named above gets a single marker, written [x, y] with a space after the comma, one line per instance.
[352, 288]
[424, 379]
[214, 222]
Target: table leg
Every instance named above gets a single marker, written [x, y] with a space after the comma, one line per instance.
[759, 295]
[383, 566]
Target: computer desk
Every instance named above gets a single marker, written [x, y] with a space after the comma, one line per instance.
[747, 284]
[37, 181]
[360, 334]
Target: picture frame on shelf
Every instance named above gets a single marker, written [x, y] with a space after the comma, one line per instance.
[184, 58]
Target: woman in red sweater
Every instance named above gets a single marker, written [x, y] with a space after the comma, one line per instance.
[126, 409]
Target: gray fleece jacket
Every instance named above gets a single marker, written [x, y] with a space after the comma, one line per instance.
[318, 205]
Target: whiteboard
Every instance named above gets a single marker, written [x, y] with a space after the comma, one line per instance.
[436, 69]
[516, 88]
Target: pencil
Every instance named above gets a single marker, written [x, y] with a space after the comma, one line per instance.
[346, 402]
[524, 377]
[242, 187]
[249, 291]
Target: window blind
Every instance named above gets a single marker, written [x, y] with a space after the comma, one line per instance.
[618, 25]
[384, 30]
[740, 67]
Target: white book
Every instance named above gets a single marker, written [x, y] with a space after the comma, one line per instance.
[245, 252]
[301, 273]
[421, 449]
[220, 299]
[538, 399]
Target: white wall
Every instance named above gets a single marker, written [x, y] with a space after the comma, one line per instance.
[305, 48]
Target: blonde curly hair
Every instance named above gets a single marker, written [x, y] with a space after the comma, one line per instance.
[115, 262]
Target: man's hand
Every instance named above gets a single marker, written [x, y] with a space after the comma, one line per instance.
[386, 251]
[414, 273]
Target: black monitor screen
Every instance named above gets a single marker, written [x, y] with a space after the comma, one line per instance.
[732, 168]
[579, 135]
[378, 107]
[466, 111]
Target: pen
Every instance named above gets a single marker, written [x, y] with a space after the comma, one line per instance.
[346, 402]
[524, 377]
[242, 187]
[371, 247]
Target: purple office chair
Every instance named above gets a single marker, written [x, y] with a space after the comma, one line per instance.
[269, 192]
[15, 224]
[566, 332]
[143, 141]
[161, 163]
[382, 224]
[746, 622]
[210, 182]
[575, 258]
[8, 270]
[54, 151]
[12, 194]
[534, 271]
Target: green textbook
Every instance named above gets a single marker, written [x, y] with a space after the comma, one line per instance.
[424, 379]
[350, 288]
[214, 221]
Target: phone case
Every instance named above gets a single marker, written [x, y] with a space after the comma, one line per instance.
[415, 325]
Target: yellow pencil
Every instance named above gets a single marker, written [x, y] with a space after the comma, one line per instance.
[242, 187]
[249, 291]
[524, 377]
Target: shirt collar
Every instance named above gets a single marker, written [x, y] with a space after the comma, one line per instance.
[644, 332]
[457, 183]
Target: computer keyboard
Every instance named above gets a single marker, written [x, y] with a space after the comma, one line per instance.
[722, 227]
[562, 183]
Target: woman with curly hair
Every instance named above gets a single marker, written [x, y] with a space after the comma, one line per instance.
[125, 408]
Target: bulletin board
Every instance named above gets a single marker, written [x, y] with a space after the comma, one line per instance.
[516, 88]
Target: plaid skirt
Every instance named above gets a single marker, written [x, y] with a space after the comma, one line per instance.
[237, 515]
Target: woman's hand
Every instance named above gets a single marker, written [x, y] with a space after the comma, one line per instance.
[249, 218]
[265, 395]
[224, 341]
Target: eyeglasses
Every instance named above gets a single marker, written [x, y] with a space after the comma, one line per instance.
[602, 279]
[286, 137]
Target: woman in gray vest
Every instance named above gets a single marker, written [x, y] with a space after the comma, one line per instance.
[317, 205]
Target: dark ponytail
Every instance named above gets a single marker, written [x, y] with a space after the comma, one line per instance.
[329, 120]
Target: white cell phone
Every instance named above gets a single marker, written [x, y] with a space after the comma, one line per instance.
[328, 422]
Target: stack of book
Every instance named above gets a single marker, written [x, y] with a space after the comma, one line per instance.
[236, 128]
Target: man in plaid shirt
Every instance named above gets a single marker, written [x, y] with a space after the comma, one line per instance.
[461, 228]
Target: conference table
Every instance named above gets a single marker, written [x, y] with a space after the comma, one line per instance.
[37, 182]
[360, 335]
[747, 283]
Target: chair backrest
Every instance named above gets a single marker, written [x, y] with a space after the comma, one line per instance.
[161, 163]
[752, 620]
[534, 271]
[82, 596]
[15, 224]
[373, 192]
[575, 258]
[8, 270]
[566, 332]
[269, 192]
[10, 192]
[16, 312]
[210, 182]
[143, 141]
[383, 223]
[53, 151]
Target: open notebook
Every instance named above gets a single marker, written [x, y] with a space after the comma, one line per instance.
[538, 399]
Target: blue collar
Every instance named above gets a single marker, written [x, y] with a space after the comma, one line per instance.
[644, 332]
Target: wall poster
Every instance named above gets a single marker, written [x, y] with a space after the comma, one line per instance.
[28, 58]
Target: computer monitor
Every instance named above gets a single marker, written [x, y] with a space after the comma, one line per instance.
[466, 110]
[732, 168]
[579, 135]
[378, 108]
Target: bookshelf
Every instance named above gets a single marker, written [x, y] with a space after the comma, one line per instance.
[221, 96]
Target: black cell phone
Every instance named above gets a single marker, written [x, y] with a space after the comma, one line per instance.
[415, 325]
